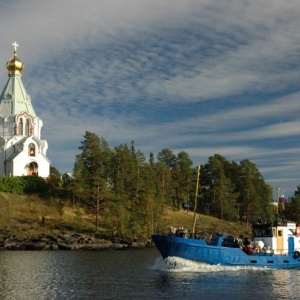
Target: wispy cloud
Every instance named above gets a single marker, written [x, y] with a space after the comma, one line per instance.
[203, 76]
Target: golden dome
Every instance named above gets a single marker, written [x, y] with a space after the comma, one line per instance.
[15, 65]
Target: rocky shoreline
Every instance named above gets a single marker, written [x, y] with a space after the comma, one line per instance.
[69, 242]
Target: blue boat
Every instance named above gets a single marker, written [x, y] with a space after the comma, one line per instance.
[275, 246]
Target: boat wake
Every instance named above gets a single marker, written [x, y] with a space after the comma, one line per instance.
[177, 264]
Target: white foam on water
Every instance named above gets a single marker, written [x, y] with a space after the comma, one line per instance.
[177, 264]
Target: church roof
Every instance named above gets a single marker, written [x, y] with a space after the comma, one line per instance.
[14, 98]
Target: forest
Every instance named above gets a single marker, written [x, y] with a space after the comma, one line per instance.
[128, 192]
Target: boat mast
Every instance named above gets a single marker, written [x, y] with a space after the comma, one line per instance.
[195, 203]
[277, 200]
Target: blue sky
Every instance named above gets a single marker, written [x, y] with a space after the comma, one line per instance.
[203, 76]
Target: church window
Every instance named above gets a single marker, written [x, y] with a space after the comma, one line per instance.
[31, 150]
[27, 127]
[21, 126]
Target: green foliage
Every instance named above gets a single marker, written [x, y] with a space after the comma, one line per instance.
[292, 207]
[14, 185]
[35, 185]
[60, 207]
[54, 173]
[234, 191]
[182, 176]
[78, 215]
[54, 181]
[124, 170]
[91, 171]
[23, 185]
[130, 194]
[167, 157]
[164, 186]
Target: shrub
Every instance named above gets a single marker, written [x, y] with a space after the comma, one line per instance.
[23, 185]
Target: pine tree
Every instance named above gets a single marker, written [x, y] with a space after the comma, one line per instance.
[181, 178]
[92, 171]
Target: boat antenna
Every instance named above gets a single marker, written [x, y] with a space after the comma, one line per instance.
[195, 203]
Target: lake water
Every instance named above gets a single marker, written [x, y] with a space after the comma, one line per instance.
[134, 274]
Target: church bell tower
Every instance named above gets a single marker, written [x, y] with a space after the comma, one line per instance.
[22, 150]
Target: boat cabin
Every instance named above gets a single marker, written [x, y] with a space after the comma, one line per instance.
[281, 238]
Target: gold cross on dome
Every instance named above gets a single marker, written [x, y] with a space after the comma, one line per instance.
[15, 46]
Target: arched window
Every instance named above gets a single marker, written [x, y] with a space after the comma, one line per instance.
[20, 126]
[31, 150]
[27, 126]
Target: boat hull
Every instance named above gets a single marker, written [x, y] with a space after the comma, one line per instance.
[200, 251]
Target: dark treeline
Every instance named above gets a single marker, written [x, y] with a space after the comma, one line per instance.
[129, 192]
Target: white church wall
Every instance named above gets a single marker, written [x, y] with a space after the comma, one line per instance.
[44, 147]
[19, 165]
[38, 125]
[44, 168]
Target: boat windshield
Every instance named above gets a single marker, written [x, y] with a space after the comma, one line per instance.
[262, 230]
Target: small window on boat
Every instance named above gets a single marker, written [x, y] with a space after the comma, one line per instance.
[253, 261]
[286, 261]
[270, 262]
[279, 233]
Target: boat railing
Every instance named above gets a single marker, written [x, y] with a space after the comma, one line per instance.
[266, 251]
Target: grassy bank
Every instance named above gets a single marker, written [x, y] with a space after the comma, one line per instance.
[23, 215]
[29, 216]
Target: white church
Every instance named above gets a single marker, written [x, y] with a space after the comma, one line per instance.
[22, 150]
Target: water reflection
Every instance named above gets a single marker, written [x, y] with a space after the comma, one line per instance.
[21, 276]
[285, 283]
[134, 275]
[179, 278]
